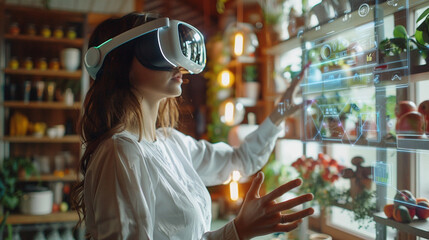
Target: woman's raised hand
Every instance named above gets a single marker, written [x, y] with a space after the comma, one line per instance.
[286, 106]
[263, 215]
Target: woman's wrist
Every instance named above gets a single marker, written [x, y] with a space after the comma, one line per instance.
[276, 117]
[238, 230]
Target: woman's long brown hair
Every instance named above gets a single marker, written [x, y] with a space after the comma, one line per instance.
[110, 105]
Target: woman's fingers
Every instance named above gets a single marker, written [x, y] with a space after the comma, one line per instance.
[282, 189]
[298, 215]
[287, 227]
[291, 203]
[256, 186]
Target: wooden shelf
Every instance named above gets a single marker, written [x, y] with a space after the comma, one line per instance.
[412, 143]
[70, 216]
[31, 139]
[41, 105]
[50, 13]
[422, 76]
[78, 42]
[45, 73]
[50, 178]
[418, 228]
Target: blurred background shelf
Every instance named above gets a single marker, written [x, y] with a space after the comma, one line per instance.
[45, 73]
[31, 139]
[69, 216]
[71, 42]
[41, 105]
[50, 178]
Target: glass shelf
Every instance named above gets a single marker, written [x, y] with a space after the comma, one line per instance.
[412, 143]
[416, 227]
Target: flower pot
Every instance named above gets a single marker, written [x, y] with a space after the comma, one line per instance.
[415, 58]
[251, 90]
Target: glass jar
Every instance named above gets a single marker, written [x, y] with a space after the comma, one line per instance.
[42, 64]
[58, 32]
[14, 63]
[54, 64]
[28, 63]
[14, 28]
[71, 33]
[31, 29]
[46, 31]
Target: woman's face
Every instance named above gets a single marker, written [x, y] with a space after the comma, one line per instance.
[154, 84]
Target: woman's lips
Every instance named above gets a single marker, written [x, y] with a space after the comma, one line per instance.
[178, 79]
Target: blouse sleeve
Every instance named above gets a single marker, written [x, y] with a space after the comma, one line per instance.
[121, 190]
[215, 162]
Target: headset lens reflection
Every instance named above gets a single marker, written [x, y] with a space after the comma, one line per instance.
[192, 44]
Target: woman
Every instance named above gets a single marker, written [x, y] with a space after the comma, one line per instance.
[142, 179]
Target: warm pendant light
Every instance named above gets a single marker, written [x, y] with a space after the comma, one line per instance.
[231, 112]
[225, 78]
[238, 44]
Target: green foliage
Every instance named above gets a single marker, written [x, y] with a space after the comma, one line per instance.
[9, 194]
[363, 206]
[422, 33]
[216, 130]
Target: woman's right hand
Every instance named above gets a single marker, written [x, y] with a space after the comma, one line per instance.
[262, 215]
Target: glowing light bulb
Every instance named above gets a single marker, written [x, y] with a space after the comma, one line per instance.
[229, 113]
[238, 44]
[233, 190]
[225, 78]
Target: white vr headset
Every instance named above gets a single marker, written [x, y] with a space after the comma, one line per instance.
[163, 44]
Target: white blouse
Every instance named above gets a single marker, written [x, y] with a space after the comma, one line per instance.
[157, 190]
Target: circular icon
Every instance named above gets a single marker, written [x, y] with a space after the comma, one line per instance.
[326, 51]
[363, 10]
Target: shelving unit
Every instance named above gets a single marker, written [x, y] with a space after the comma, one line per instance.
[385, 149]
[50, 110]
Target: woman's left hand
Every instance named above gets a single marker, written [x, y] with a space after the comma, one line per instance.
[263, 215]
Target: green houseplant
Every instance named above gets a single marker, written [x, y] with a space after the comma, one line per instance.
[9, 193]
[422, 34]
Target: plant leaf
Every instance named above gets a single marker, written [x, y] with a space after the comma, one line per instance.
[423, 15]
[400, 32]
[419, 37]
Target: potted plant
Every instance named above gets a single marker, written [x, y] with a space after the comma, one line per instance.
[251, 84]
[318, 177]
[10, 171]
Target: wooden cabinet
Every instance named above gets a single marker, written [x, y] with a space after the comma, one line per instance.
[40, 102]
